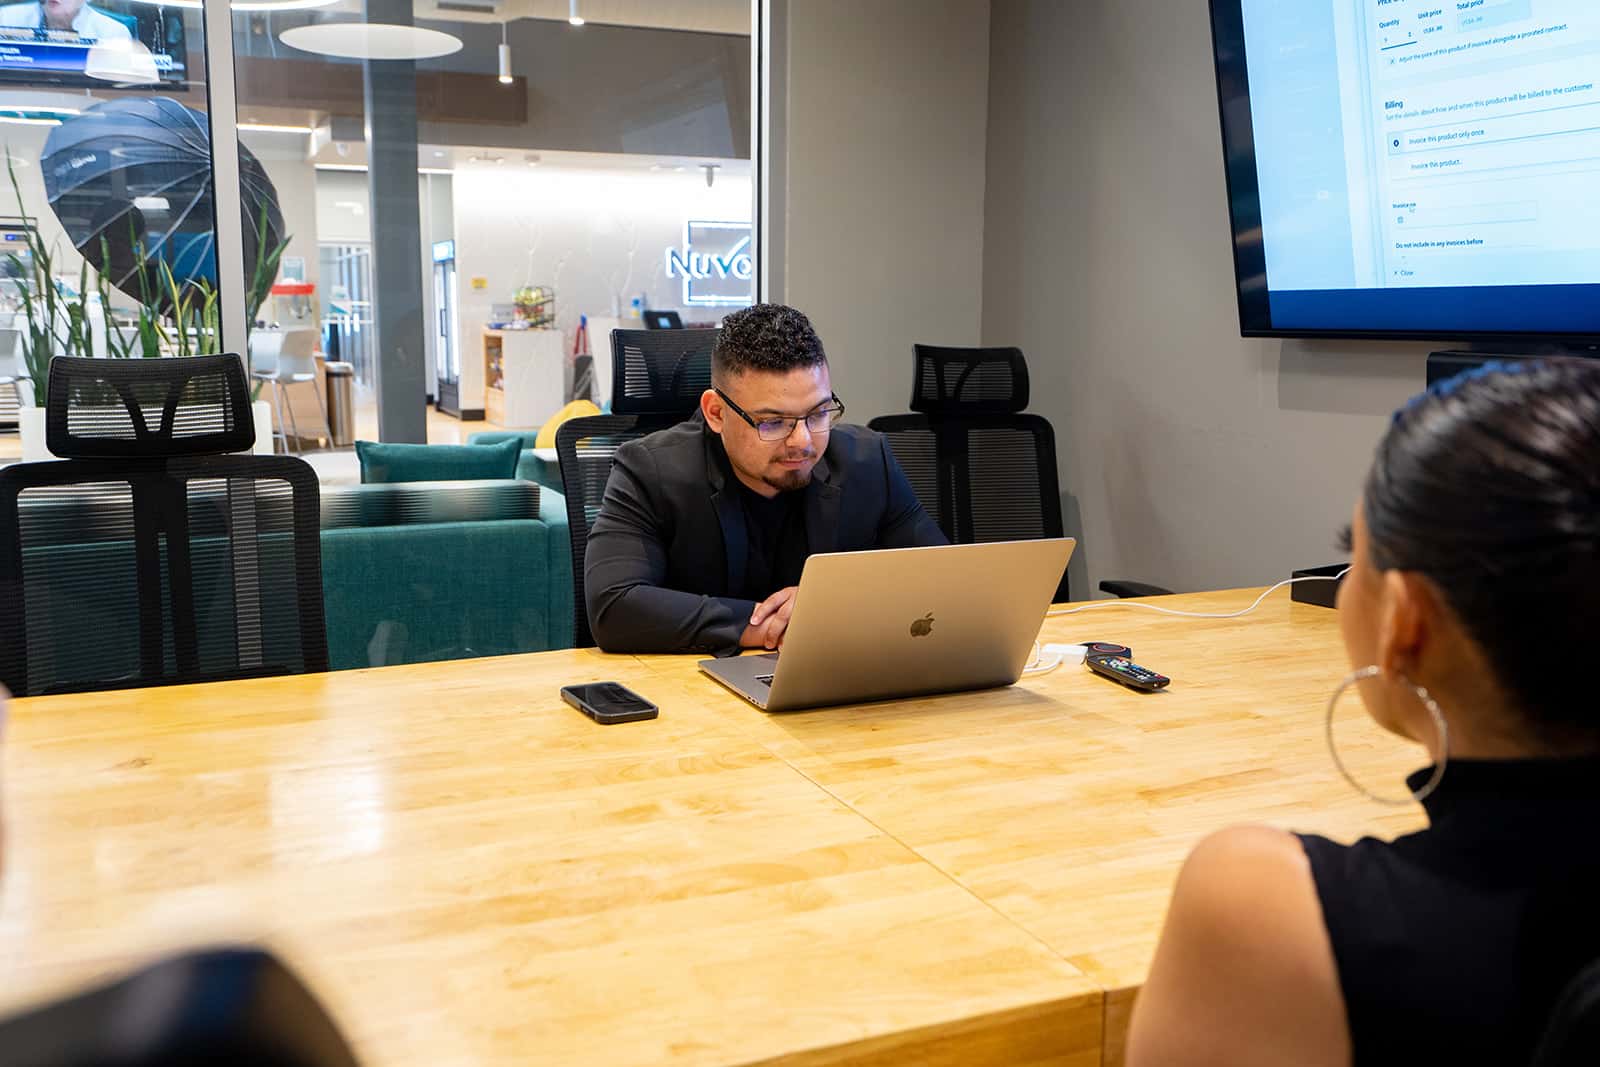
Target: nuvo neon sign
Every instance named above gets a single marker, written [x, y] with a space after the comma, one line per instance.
[714, 263]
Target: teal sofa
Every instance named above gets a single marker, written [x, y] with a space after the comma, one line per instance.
[530, 467]
[420, 571]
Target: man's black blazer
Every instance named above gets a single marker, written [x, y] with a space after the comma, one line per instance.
[670, 540]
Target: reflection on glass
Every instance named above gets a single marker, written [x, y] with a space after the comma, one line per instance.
[619, 195]
[106, 215]
[70, 42]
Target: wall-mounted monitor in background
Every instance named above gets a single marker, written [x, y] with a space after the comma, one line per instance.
[1412, 168]
[73, 42]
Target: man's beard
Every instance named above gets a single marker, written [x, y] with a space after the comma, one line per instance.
[788, 481]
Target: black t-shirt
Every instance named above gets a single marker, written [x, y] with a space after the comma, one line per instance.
[777, 542]
[1454, 943]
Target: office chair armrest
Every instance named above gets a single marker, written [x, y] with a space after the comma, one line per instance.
[1118, 588]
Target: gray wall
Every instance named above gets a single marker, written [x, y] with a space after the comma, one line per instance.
[885, 109]
[1189, 457]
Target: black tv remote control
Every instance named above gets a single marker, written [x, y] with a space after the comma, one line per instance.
[1130, 674]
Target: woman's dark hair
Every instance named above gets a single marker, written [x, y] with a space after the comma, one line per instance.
[765, 337]
[1489, 485]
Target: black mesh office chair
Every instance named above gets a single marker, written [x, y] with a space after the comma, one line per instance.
[151, 556]
[657, 379]
[234, 1006]
[656, 372]
[985, 470]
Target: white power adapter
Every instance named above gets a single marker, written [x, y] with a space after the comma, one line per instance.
[1064, 653]
[1051, 656]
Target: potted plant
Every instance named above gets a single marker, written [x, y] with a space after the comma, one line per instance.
[175, 318]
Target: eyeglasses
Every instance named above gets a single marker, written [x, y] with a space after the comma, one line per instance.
[780, 427]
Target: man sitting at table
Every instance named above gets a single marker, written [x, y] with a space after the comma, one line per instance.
[705, 527]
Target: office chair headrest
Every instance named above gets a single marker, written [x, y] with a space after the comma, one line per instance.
[969, 381]
[660, 372]
[148, 408]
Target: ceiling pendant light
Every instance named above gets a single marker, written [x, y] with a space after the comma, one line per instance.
[572, 13]
[370, 40]
[505, 57]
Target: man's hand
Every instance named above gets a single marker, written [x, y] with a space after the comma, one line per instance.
[769, 620]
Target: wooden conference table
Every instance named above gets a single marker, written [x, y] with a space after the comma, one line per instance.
[470, 872]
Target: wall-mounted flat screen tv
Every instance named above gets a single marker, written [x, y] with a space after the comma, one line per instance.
[1413, 168]
[75, 42]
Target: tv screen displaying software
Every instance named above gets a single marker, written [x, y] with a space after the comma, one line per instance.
[33, 52]
[1413, 168]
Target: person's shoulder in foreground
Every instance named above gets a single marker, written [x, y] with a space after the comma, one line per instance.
[704, 526]
[1453, 944]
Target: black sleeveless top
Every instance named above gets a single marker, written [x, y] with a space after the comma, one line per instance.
[1453, 943]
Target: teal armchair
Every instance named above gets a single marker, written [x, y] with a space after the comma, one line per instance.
[422, 571]
[530, 467]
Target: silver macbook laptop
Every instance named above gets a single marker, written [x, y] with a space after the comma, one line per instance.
[902, 622]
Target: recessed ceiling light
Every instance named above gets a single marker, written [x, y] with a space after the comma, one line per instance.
[438, 155]
[268, 127]
[361, 167]
[39, 110]
[278, 5]
[370, 40]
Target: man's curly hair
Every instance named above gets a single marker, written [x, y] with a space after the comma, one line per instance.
[765, 337]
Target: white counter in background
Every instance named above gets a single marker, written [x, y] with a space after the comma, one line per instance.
[600, 327]
[523, 376]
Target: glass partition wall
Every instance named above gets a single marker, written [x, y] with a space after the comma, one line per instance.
[107, 221]
[560, 180]
[465, 223]
[443, 209]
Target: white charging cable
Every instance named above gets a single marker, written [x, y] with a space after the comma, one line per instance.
[1199, 614]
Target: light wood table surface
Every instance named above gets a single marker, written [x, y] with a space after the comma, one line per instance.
[470, 872]
[1068, 802]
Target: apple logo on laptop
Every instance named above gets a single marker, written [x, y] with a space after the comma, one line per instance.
[922, 627]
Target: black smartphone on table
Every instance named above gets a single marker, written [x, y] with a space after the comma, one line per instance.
[609, 702]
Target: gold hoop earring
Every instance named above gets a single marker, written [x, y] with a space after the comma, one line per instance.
[1439, 725]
